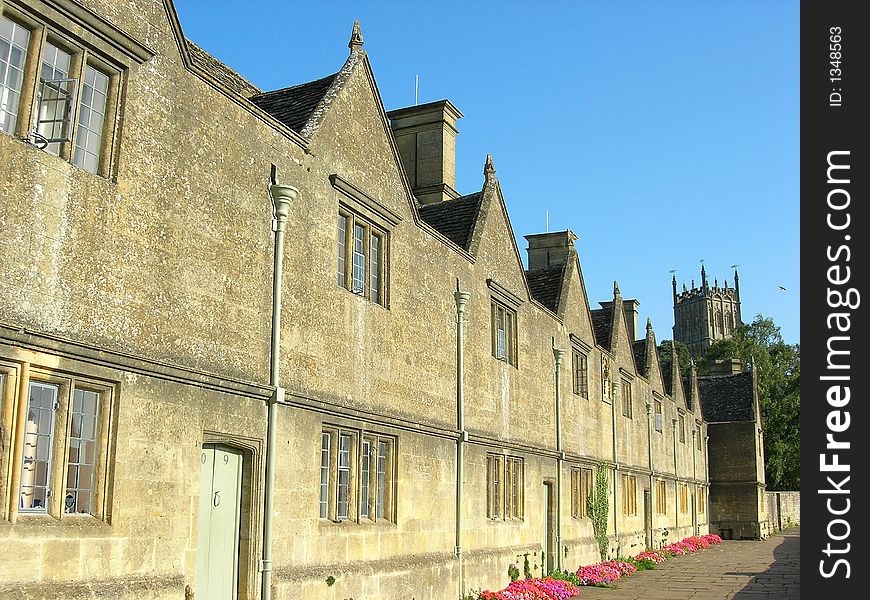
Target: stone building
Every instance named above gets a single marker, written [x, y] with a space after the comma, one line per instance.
[419, 411]
[707, 313]
[737, 485]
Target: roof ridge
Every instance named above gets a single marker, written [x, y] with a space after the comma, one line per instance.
[226, 68]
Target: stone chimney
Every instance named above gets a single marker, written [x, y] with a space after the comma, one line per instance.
[630, 309]
[426, 138]
[549, 249]
[729, 366]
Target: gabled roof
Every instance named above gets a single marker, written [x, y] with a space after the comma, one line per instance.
[727, 397]
[546, 285]
[219, 71]
[602, 322]
[639, 349]
[454, 219]
[294, 105]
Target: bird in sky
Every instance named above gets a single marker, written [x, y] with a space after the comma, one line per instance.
[783, 289]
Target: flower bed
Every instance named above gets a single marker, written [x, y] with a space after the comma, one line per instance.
[599, 574]
[534, 589]
[609, 571]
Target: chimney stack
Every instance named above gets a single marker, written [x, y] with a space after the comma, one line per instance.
[549, 249]
[730, 366]
[426, 139]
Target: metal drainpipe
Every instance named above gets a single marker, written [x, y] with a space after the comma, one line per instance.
[558, 355]
[615, 462]
[694, 484]
[652, 511]
[461, 299]
[282, 196]
[676, 480]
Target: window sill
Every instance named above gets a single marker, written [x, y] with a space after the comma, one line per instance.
[362, 523]
[74, 168]
[28, 524]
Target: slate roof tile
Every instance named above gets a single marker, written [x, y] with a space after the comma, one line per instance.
[602, 321]
[220, 72]
[726, 397]
[454, 219]
[546, 285]
[294, 105]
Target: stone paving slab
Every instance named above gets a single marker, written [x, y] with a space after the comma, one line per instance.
[733, 570]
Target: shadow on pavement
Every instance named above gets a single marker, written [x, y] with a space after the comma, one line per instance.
[781, 580]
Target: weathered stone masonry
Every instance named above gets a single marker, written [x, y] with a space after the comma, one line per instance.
[148, 283]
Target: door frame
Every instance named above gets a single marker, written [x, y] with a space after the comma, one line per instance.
[251, 509]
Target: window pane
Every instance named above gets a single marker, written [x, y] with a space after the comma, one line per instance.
[324, 475]
[359, 260]
[38, 441]
[365, 473]
[343, 476]
[342, 249]
[382, 478]
[375, 268]
[91, 116]
[55, 96]
[81, 457]
[13, 52]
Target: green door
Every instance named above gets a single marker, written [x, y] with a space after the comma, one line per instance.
[220, 493]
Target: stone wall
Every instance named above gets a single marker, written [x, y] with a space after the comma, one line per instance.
[783, 509]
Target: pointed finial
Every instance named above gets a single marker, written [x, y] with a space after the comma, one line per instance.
[648, 324]
[726, 284]
[616, 293]
[693, 284]
[703, 274]
[488, 168]
[684, 287]
[716, 282]
[356, 38]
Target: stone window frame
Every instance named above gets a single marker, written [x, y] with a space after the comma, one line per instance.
[92, 43]
[15, 394]
[629, 495]
[683, 498]
[580, 372]
[661, 491]
[658, 416]
[626, 397]
[377, 219]
[702, 499]
[370, 231]
[505, 487]
[354, 512]
[508, 352]
[681, 426]
[582, 488]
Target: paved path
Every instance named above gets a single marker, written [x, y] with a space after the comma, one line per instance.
[742, 570]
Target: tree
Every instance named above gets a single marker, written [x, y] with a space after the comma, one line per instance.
[778, 367]
[683, 354]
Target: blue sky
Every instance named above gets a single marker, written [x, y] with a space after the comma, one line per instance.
[661, 133]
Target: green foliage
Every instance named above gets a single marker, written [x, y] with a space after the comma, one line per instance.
[527, 569]
[472, 595]
[330, 580]
[564, 576]
[513, 572]
[644, 564]
[683, 354]
[778, 368]
[597, 508]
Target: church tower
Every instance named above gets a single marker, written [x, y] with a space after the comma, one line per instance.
[706, 313]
